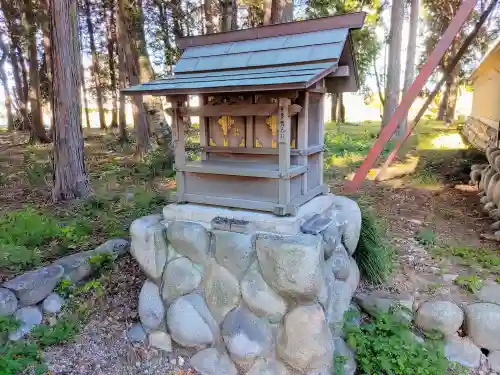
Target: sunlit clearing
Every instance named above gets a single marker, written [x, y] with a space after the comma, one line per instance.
[449, 141]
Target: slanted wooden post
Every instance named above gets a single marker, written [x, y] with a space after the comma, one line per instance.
[284, 150]
[179, 146]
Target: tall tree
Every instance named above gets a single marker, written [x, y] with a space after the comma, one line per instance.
[96, 70]
[111, 46]
[394, 65]
[45, 21]
[129, 56]
[411, 50]
[3, 77]
[37, 128]
[70, 178]
[122, 81]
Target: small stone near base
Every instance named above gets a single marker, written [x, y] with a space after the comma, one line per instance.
[8, 302]
[211, 362]
[19, 333]
[316, 224]
[463, 351]
[160, 340]
[151, 309]
[30, 316]
[34, 286]
[52, 304]
[490, 292]
[136, 333]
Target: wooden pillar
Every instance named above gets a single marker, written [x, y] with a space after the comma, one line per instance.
[203, 123]
[302, 136]
[284, 150]
[321, 130]
[179, 140]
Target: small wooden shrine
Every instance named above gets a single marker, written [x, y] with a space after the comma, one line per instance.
[261, 115]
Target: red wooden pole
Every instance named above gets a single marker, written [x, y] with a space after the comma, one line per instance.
[402, 110]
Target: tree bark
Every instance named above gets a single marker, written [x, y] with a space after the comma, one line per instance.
[5, 84]
[133, 27]
[167, 47]
[394, 65]
[122, 81]
[411, 52]
[267, 12]
[341, 108]
[286, 11]
[37, 128]
[70, 178]
[20, 80]
[209, 19]
[444, 99]
[140, 120]
[276, 9]
[96, 71]
[333, 109]
[111, 61]
[47, 53]
[451, 104]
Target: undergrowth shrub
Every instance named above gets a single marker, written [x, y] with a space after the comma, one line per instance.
[374, 255]
[385, 345]
[25, 232]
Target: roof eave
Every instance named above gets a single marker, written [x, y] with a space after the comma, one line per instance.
[217, 90]
[349, 21]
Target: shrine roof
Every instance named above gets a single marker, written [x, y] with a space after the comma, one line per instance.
[279, 57]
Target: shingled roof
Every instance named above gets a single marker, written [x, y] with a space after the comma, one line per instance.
[293, 55]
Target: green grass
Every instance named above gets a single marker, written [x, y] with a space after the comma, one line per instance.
[471, 283]
[374, 256]
[486, 258]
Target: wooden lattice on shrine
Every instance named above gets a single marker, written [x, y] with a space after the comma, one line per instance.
[261, 111]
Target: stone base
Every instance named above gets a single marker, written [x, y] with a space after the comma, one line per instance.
[264, 222]
[250, 291]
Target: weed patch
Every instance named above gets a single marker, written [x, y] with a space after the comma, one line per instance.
[471, 283]
[386, 345]
[426, 237]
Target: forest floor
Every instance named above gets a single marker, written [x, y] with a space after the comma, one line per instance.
[431, 215]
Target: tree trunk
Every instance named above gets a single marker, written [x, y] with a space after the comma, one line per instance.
[451, 104]
[111, 61]
[341, 108]
[122, 81]
[276, 10]
[96, 71]
[70, 178]
[286, 11]
[20, 79]
[209, 19]
[47, 54]
[37, 128]
[444, 99]
[24, 76]
[411, 53]
[267, 12]
[133, 27]
[394, 66]
[167, 47]
[5, 84]
[333, 110]
[22, 104]
[140, 120]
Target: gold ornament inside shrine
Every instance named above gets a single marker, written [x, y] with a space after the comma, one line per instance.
[262, 111]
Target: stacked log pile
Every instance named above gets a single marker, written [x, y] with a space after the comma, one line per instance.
[487, 177]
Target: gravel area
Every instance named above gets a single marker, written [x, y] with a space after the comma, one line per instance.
[102, 347]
